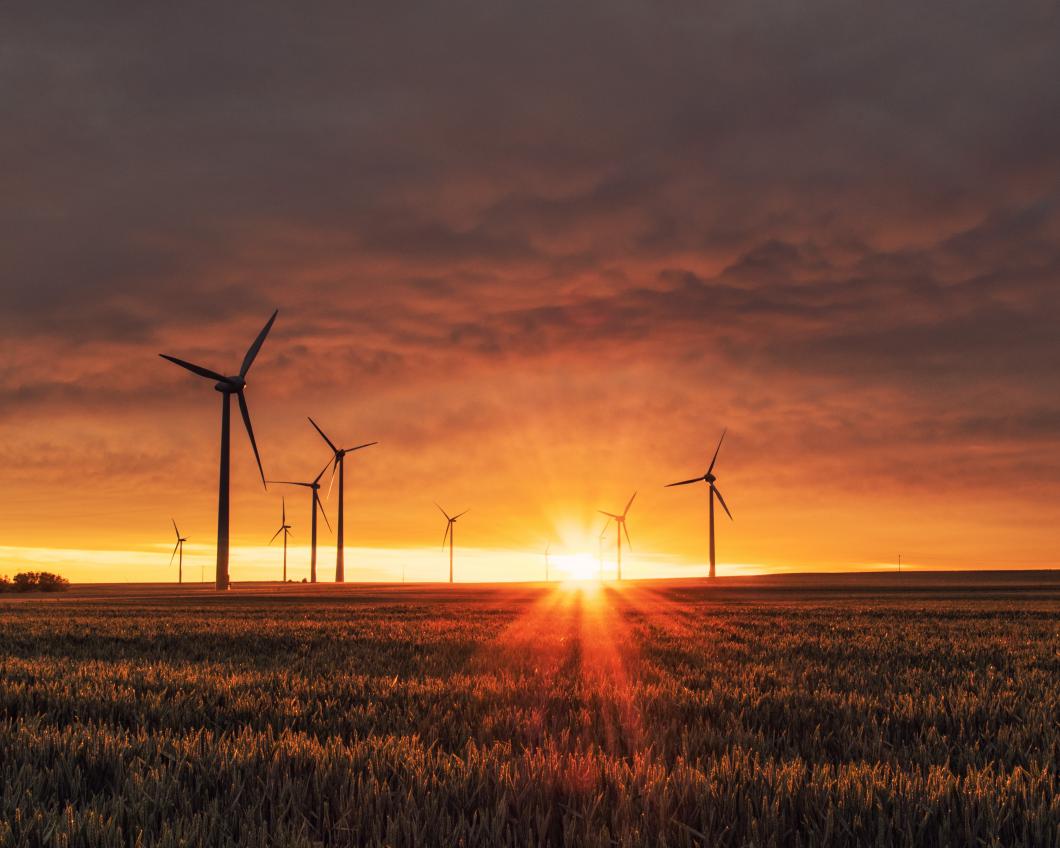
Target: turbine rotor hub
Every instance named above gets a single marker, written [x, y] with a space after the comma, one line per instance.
[710, 478]
[231, 385]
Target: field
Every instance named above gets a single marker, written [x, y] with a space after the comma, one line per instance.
[920, 710]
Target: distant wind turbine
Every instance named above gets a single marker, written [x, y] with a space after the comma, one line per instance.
[600, 548]
[285, 528]
[229, 386]
[620, 527]
[449, 535]
[340, 455]
[178, 549]
[710, 479]
[314, 486]
[548, 548]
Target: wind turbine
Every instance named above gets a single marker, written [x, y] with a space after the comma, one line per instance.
[285, 528]
[229, 386]
[449, 535]
[620, 526]
[600, 548]
[314, 486]
[340, 455]
[178, 548]
[548, 548]
[710, 479]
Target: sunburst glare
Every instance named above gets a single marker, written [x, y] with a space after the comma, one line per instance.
[576, 567]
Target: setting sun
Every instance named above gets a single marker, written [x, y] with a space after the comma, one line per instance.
[577, 566]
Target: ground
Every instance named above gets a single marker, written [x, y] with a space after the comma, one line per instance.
[813, 710]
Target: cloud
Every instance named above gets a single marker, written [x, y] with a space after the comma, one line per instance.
[836, 228]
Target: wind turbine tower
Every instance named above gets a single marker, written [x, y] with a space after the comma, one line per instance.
[228, 386]
[178, 549]
[620, 527]
[449, 529]
[314, 486]
[339, 463]
[600, 548]
[285, 528]
[710, 480]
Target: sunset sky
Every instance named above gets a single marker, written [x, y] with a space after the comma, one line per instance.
[543, 253]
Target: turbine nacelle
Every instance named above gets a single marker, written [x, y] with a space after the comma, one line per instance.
[231, 385]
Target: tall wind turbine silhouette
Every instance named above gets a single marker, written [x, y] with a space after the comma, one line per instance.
[228, 386]
[620, 526]
[710, 480]
[285, 528]
[449, 535]
[340, 456]
[314, 486]
[178, 548]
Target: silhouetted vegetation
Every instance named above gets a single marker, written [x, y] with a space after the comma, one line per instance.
[631, 718]
[34, 581]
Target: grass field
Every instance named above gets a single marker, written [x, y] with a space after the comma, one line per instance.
[778, 711]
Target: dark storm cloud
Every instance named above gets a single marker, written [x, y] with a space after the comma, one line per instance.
[821, 192]
[150, 152]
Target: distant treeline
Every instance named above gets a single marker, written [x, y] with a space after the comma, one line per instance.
[34, 581]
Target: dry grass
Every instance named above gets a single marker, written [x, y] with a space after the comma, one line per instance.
[658, 715]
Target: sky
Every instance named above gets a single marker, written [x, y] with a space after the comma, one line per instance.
[543, 253]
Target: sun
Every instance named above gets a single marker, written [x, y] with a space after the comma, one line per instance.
[577, 566]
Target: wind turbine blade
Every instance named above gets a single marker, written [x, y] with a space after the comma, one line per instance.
[174, 554]
[323, 514]
[252, 351]
[628, 505]
[283, 510]
[289, 483]
[608, 524]
[684, 482]
[465, 512]
[446, 514]
[628, 540]
[718, 448]
[722, 500]
[322, 470]
[250, 432]
[448, 527]
[196, 369]
[359, 447]
[325, 438]
[331, 482]
[175, 530]
[609, 514]
[274, 535]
